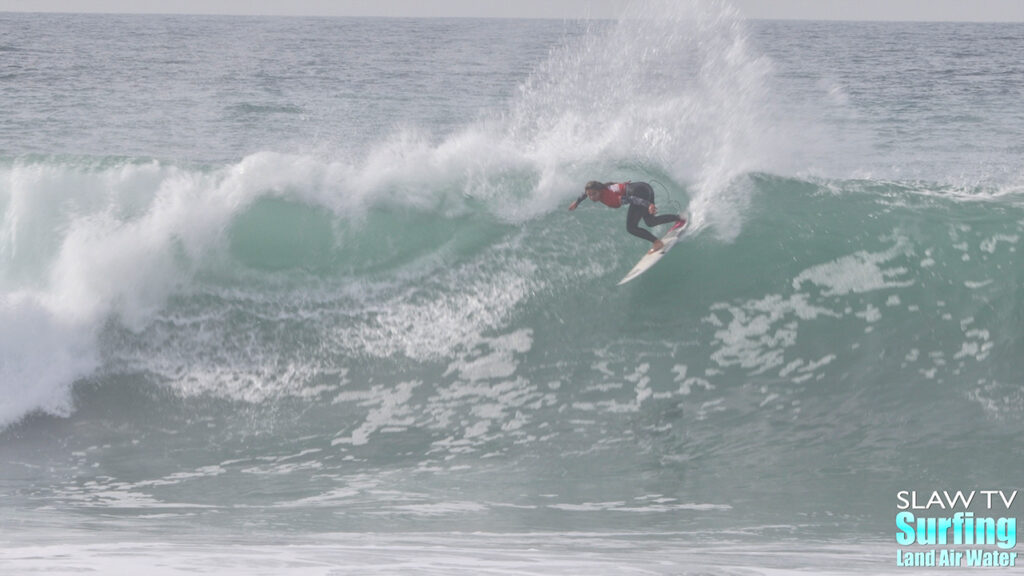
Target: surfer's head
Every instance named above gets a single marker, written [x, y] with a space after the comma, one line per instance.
[593, 189]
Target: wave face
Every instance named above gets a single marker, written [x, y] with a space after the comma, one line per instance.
[413, 237]
[297, 302]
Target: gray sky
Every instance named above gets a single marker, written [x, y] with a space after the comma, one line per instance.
[961, 10]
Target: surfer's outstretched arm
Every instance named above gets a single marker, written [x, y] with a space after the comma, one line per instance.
[577, 201]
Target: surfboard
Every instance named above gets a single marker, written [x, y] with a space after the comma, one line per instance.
[651, 258]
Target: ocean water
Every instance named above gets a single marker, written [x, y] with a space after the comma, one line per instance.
[302, 296]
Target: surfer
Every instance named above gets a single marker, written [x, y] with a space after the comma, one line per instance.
[639, 196]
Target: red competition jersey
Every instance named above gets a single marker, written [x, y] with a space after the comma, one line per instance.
[612, 195]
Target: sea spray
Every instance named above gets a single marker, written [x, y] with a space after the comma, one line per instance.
[671, 86]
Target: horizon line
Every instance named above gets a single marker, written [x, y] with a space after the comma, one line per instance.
[478, 17]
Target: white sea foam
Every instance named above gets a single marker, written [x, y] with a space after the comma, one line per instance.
[40, 356]
[120, 248]
[858, 273]
[390, 408]
[461, 553]
[133, 235]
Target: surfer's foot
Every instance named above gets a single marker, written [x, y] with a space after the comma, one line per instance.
[658, 245]
[679, 223]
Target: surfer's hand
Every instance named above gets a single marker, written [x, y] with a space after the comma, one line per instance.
[652, 209]
[573, 206]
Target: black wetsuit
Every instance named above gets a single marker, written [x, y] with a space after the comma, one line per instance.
[637, 210]
[639, 196]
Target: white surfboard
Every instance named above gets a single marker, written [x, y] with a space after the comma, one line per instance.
[651, 258]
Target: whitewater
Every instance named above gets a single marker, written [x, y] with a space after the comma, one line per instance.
[302, 295]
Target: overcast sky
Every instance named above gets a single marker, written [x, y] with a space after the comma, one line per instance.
[959, 10]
